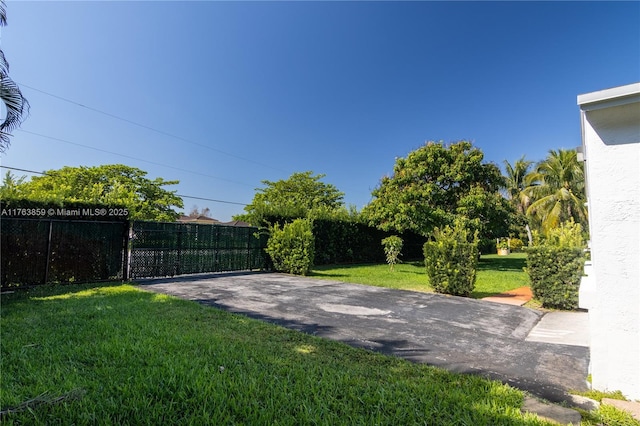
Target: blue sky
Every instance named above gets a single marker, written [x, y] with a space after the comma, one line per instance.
[227, 94]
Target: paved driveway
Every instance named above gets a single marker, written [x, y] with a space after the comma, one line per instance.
[458, 334]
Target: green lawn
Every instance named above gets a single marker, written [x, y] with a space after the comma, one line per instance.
[496, 274]
[89, 355]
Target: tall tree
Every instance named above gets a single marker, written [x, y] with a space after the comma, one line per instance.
[557, 190]
[517, 178]
[116, 185]
[10, 186]
[295, 197]
[16, 106]
[436, 184]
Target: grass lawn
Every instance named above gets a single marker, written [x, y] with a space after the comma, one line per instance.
[496, 274]
[93, 355]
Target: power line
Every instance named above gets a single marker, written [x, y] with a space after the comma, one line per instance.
[210, 199]
[179, 195]
[126, 120]
[132, 158]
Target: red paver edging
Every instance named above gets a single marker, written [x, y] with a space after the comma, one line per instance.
[518, 296]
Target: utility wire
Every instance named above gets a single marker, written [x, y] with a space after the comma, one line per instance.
[179, 195]
[126, 120]
[131, 157]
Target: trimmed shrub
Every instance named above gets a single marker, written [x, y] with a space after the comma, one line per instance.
[556, 265]
[451, 261]
[555, 274]
[392, 248]
[291, 247]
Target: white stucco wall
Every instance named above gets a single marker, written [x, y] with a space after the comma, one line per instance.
[611, 144]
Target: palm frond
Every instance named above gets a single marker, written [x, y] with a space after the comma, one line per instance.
[17, 108]
[3, 13]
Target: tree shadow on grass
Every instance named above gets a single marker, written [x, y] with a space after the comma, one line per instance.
[502, 263]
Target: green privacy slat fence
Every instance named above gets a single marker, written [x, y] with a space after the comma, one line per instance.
[41, 251]
[167, 249]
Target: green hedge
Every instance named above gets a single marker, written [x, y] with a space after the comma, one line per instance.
[451, 261]
[555, 274]
[346, 242]
[291, 247]
[341, 241]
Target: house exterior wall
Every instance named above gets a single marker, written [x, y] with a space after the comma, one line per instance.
[611, 291]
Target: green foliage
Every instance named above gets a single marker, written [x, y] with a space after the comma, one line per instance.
[555, 273]
[451, 260]
[489, 213]
[516, 244]
[111, 185]
[291, 247]
[556, 190]
[503, 243]
[555, 266]
[344, 239]
[339, 241]
[568, 235]
[392, 249]
[10, 184]
[436, 184]
[16, 107]
[292, 198]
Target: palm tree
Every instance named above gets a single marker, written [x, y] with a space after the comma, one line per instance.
[17, 107]
[557, 190]
[516, 180]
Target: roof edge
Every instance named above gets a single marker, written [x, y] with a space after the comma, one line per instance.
[614, 96]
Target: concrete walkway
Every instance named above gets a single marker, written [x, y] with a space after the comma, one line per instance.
[458, 334]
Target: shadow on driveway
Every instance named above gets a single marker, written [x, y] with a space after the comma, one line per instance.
[459, 334]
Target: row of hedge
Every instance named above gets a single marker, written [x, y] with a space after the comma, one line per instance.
[555, 266]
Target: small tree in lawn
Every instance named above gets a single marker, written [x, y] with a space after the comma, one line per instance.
[392, 248]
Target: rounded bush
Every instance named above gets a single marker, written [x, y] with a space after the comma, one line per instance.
[291, 247]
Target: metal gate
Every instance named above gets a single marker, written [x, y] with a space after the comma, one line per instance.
[166, 249]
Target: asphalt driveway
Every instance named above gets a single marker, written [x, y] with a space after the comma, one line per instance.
[458, 334]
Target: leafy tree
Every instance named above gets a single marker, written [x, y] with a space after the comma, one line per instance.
[117, 185]
[297, 197]
[10, 186]
[436, 184]
[17, 107]
[557, 191]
